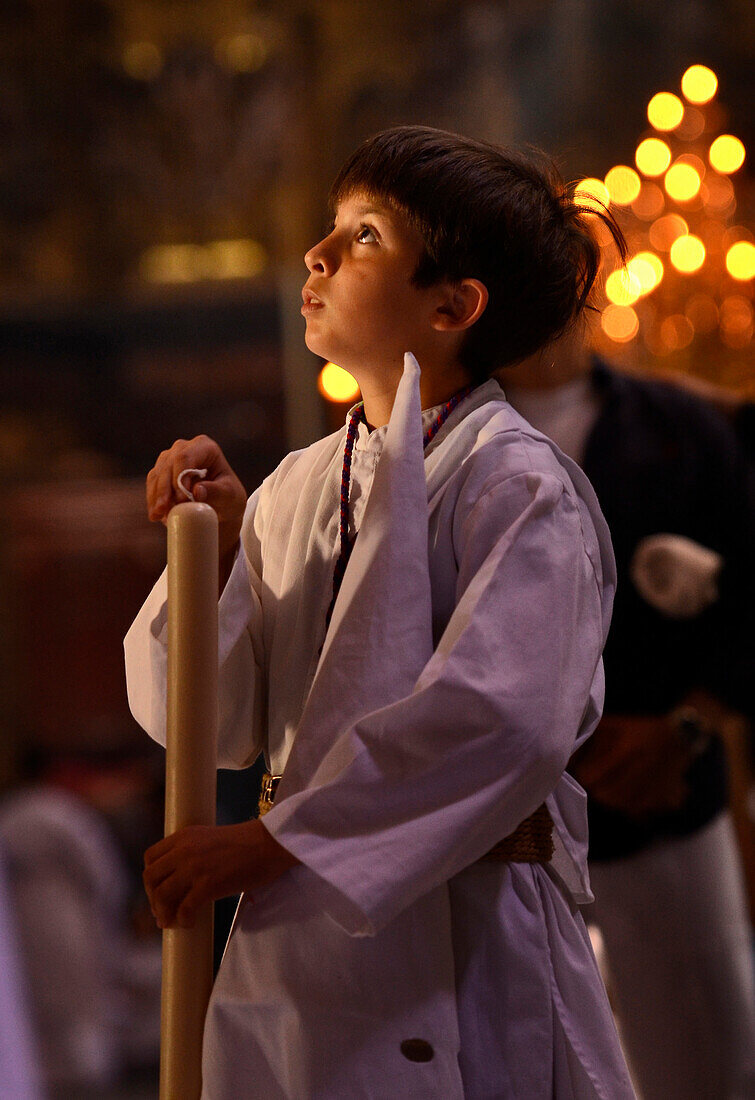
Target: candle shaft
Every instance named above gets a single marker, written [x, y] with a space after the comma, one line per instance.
[190, 780]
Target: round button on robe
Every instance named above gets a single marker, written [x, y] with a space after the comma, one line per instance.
[417, 1050]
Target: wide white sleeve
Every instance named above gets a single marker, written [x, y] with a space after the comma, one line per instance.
[241, 695]
[415, 791]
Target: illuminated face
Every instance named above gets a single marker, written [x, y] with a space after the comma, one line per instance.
[361, 307]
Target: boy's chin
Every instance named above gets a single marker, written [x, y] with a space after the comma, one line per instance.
[318, 346]
[327, 351]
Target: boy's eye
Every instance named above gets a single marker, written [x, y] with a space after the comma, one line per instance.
[366, 235]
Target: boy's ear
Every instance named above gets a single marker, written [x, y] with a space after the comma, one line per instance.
[463, 303]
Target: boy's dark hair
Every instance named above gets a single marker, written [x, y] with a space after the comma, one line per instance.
[492, 214]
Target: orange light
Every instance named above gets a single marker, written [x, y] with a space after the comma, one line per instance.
[647, 268]
[665, 231]
[727, 154]
[676, 332]
[623, 287]
[682, 182]
[649, 203]
[623, 185]
[336, 384]
[736, 313]
[717, 193]
[687, 254]
[699, 84]
[702, 313]
[736, 338]
[691, 126]
[665, 111]
[588, 191]
[736, 321]
[652, 157]
[740, 260]
[620, 323]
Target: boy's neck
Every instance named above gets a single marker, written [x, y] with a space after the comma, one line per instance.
[434, 389]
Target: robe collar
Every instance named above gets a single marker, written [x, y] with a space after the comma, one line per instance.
[374, 440]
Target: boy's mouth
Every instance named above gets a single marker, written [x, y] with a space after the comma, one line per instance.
[311, 302]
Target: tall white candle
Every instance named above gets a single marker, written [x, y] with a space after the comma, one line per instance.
[190, 782]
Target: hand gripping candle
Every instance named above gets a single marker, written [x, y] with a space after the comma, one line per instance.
[190, 782]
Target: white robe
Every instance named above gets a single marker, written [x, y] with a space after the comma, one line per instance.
[457, 677]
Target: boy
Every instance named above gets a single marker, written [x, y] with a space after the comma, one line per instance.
[413, 929]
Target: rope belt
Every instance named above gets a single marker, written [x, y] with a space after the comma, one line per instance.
[530, 842]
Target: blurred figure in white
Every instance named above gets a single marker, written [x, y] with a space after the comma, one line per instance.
[672, 481]
[19, 1069]
[93, 982]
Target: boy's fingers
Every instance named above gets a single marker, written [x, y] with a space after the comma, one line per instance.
[180, 906]
[165, 899]
[213, 492]
[159, 848]
[157, 873]
[160, 491]
[222, 490]
[186, 913]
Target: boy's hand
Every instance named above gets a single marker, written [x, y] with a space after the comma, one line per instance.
[221, 489]
[202, 863]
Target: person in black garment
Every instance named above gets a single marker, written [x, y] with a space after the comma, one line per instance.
[664, 864]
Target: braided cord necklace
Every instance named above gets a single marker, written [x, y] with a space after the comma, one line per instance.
[346, 543]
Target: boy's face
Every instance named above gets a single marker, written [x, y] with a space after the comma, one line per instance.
[361, 307]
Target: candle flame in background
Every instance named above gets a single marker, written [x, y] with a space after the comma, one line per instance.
[623, 288]
[623, 185]
[336, 384]
[687, 253]
[680, 201]
[652, 157]
[647, 268]
[665, 111]
[620, 323]
[727, 154]
[682, 182]
[699, 84]
[740, 260]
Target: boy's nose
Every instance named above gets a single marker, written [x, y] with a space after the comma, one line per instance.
[319, 259]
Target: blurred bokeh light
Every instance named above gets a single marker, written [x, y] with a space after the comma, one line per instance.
[699, 84]
[687, 253]
[620, 323]
[727, 154]
[682, 181]
[622, 184]
[740, 260]
[665, 111]
[336, 384]
[652, 156]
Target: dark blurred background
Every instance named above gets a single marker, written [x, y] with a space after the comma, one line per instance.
[163, 168]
